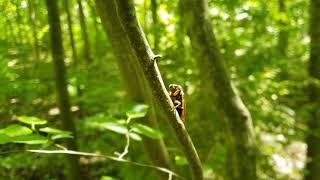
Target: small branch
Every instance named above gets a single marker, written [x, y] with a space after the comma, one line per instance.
[138, 42]
[126, 149]
[164, 170]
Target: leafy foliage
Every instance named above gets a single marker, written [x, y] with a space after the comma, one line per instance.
[272, 84]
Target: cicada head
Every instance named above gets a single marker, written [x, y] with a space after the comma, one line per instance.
[175, 89]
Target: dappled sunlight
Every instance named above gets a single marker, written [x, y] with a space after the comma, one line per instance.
[84, 83]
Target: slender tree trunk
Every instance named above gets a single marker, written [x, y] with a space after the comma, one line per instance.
[155, 149]
[147, 64]
[32, 19]
[313, 138]
[86, 45]
[96, 25]
[283, 33]
[74, 50]
[156, 35]
[73, 167]
[239, 136]
[72, 43]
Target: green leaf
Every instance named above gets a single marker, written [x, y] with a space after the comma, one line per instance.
[135, 136]
[147, 131]
[61, 136]
[50, 130]
[15, 130]
[107, 178]
[180, 160]
[5, 139]
[116, 127]
[138, 111]
[31, 120]
[31, 139]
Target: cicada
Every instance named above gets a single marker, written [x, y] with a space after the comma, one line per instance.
[177, 97]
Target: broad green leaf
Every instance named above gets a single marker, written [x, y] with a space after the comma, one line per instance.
[50, 130]
[15, 130]
[5, 139]
[116, 127]
[31, 120]
[135, 136]
[138, 111]
[147, 131]
[107, 178]
[180, 160]
[31, 139]
[61, 136]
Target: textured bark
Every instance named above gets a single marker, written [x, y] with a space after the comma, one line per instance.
[84, 31]
[73, 167]
[32, 19]
[135, 86]
[135, 38]
[239, 136]
[313, 139]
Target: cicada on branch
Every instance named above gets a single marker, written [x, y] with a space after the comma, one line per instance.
[177, 97]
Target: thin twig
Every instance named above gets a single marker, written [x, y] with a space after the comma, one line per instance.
[162, 169]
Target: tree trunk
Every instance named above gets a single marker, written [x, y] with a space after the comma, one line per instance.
[155, 149]
[74, 51]
[32, 19]
[86, 45]
[239, 136]
[97, 34]
[313, 138]
[73, 166]
[135, 38]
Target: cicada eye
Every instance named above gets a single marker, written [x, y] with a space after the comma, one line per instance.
[172, 87]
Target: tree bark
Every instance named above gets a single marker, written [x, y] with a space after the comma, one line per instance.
[155, 149]
[86, 43]
[239, 136]
[313, 138]
[135, 38]
[73, 167]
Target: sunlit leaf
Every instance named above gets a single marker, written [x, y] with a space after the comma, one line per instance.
[147, 131]
[115, 127]
[31, 120]
[61, 136]
[107, 178]
[180, 160]
[138, 111]
[135, 136]
[15, 130]
[31, 139]
[50, 130]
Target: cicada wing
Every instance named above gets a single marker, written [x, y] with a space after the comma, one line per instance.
[184, 110]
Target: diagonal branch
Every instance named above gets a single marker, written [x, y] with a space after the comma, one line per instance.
[148, 66]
